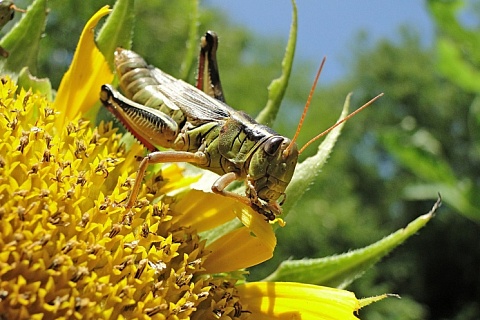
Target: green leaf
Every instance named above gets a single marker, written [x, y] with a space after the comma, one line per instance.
[42, 86]
[444, 13]
[367, 301]
[437, 173]
[192, 41]
[459, 196]
[117, 30]
[22, 42]
[474, 122]
[307, 171]
[426, 165]
[455, 67]
[276, 89]
[340, 270]
[458, 46]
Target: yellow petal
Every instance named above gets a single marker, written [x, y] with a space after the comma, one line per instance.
[176, 181]
[288, 300]
[204, 210]
[257, 225]
[80, 86]
[238, 249]
[244, 247]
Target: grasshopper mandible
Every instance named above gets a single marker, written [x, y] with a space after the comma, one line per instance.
[202, 129]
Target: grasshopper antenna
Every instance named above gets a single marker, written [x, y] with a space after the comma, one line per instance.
[340, 122]
[305, 109]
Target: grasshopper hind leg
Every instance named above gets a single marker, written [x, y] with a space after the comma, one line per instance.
[149, 126]
[208, 76]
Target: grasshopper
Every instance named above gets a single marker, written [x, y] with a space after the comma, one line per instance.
[161, 111]
[7, 12]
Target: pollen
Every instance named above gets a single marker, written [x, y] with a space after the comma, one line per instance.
[69, 248]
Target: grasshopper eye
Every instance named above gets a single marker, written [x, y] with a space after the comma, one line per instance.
[272, 145]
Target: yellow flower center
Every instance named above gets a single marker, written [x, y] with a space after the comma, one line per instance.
[69, 248]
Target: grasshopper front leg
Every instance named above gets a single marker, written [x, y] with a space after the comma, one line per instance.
[221, 183]
[269, 210]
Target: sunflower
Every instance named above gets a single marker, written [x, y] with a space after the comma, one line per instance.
[70, 249]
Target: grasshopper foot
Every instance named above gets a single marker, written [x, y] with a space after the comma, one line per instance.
[270, 211]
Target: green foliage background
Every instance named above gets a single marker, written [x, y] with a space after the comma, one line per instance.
[420, 138]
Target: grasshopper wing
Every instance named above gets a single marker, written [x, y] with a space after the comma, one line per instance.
[196, 105]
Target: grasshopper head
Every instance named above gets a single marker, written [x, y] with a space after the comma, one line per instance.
[271, 168]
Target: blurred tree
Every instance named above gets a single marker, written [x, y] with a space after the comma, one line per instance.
[439, 160]
[420, 140]
[420, 131]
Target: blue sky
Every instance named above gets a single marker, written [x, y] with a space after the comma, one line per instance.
[327, 27]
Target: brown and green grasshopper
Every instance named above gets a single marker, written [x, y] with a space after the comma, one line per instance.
[161, 111]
